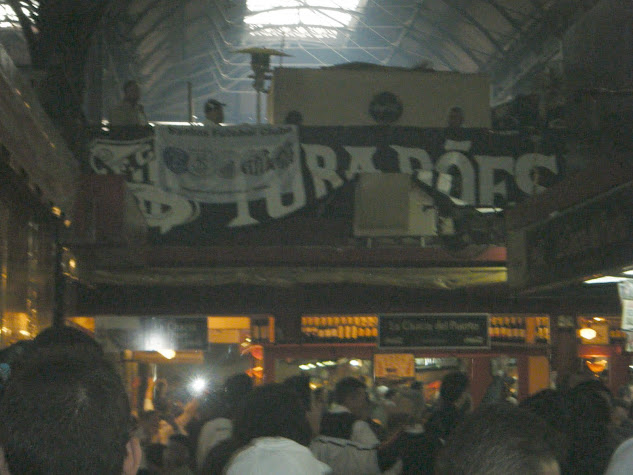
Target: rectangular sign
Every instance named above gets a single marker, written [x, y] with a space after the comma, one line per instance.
[175, 333]
[116, 333]
[151, 333]
[394, 365]
[591, 238]
[449, 331]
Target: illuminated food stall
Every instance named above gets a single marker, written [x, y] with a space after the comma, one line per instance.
[402, 349]
[603, 349]
[199, 352]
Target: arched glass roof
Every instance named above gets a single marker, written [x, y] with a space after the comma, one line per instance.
[167, 45]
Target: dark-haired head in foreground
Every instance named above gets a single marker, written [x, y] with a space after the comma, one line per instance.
[499, 440]
[67, 339]
[273, 410]
[301, 385]
[549, 405]
[453, 405]
[64, 413]
[591, 441]
[454, 386]
[352, 393]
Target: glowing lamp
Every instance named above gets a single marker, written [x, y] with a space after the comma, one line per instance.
[167, 353]
[588, 333]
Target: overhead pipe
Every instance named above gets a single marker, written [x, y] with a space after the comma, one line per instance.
[190, 100]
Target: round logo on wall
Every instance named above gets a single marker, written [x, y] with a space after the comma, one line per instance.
[385, 107]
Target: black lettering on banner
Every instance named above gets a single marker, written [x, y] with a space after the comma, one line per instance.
[485, 169]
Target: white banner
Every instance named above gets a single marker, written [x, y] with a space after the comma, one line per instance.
[217, 164]
[625, 289]
[195, 179]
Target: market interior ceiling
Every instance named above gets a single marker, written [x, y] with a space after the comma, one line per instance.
[91, 47]
[166, 44]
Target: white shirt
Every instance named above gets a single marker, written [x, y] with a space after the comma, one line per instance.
[361, 431]
[345, 457]
[275, 456]
[211, 434]
[622, 459]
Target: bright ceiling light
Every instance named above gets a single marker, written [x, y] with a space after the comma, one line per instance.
[167, 353]
[607, 279]
[355, 363]
[588, 333]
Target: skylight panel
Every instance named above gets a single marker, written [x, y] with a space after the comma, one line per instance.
[8, 18]
[300, 19]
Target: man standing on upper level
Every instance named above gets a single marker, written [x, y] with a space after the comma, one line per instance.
[213, 112]
[130, 111]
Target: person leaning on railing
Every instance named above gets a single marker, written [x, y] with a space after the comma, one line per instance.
[127, 119]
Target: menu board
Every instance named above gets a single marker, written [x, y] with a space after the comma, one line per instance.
[438, 330]
[394, 365]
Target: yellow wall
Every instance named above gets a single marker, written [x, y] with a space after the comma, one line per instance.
[342, 97]
[538, 374]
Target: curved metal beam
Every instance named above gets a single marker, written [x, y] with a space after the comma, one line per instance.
[139, 16]
[433, 54]
[504, 13]
[456, 41]
[154, 26]
[406, 28]
[473, 21]
[349, 39]
[436, 52]
[305, 7]
[443, 31]
[298, 25]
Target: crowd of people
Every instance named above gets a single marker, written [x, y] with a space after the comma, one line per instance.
[64, 409]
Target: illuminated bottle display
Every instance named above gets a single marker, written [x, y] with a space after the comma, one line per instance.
[542, 330]
[516, 329]
[616, 335]
[339, 329]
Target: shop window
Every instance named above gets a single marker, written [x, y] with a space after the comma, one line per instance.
[429, 373]
[505, 374]
[325, 372]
